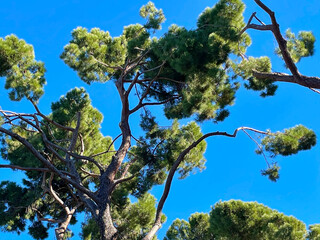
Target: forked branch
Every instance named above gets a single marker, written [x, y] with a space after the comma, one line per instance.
[296, 77]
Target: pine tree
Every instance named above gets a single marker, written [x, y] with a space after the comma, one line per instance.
[239, 220]
[72, 168]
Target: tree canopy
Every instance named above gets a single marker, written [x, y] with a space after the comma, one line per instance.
[194, 74]
[239, 220]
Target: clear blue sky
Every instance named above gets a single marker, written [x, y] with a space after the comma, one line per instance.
[233, 169]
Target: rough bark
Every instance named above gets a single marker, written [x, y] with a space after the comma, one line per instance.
[107, 180]
[107, 229]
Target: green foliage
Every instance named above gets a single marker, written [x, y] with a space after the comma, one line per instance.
[198, 227]
[133, 221]
[314, 232]
[225, 19]
[18, 154]
[193, 62]
[291, 141]
[272, 172]
[178, 230]
[299, 47]
[155, 154]
[90, 230]
[88, 52]
[14, 201]
[24, 75]
[249, 220]
[64, 112]
[96, 56]
[137, 218]
[262, 64]
[154, 16]
[238, 220]
[138, 39]
[38, 231]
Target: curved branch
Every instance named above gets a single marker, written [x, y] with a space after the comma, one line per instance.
[157, 223]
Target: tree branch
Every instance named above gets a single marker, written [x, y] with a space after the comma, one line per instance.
[108, 150]
[136, 108]
[157, 223]
[121, 180]
[106, 65]
[310, 82]
[134, 81]
[281, 42]
[15, 167]
[261, 27]
[48, 119]
[48, 164]
[76, 156]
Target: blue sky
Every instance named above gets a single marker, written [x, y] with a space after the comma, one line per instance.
[233, 169]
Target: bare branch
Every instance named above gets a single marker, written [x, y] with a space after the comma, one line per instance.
[12, 116]
[55, 195]
[281, 42]
[139, 58]
[106, 65]
[76, 156]
[41, 218]
[48, 119]
[136, 108]
[316, 91]
[151, 82]
[259, 146]
[49, 165]
[249, 21]
[310, 82]
[126, 169]
[260, 27]
[121, 180]
[15, 167]
[152, 69]
[171, 80]
[134, 81]
[108, 150]
[157, 223]
[89, 173]
[138, 81]
[82, 144]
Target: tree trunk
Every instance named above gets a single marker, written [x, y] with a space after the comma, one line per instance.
[107, 229]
